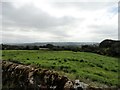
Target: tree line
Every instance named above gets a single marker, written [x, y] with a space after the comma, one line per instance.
[106, 47]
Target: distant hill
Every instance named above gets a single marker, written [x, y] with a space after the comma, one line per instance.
[106, 47]
[110, 47]
[55, 43]
[107, 43]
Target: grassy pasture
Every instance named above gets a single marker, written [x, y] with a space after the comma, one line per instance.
[88, 67]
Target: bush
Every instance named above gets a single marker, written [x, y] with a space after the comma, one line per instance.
[59, 61]
[106, 69]
[81, 60]
[64, 67]
[54, 63]
[99, 65]
[114, 70]
[74, 71]
[65, 60]
[92, 65]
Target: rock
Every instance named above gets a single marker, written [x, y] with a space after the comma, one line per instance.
[25, 77]
[80, 85]
[68, 85]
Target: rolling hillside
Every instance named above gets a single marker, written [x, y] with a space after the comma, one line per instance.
[88, 67]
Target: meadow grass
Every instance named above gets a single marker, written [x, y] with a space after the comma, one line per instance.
[88, 67]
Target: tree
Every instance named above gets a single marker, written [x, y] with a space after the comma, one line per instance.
[35, 48]
[27, 48]
[50, 46]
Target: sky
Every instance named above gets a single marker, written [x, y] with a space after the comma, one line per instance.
[59, 21]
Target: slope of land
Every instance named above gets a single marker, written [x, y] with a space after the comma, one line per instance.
[76, 65]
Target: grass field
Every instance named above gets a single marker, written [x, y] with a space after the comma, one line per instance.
[88, 67]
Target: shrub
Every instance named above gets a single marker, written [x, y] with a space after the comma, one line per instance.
[106, 69]
[55, 59]
[92, 65]
[3, 55]
[61, 67]
[114, 70]
[65, 60]
[99, 65]
[59, 61]
[74, 71]
[64, 67]
[99, 74]
[54, 63]
[76, 60]
[81, 60]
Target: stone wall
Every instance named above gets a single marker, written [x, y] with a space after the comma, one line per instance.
[18, 76]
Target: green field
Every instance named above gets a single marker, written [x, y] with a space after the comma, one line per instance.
[88, 67]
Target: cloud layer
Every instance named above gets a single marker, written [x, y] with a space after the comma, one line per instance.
[58, 21]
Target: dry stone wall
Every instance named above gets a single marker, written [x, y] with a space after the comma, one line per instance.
[25, 77]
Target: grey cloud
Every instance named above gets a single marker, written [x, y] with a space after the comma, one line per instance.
[104, 30]
[30, 16]
[15, 38]
[60, 32]
[84, 5]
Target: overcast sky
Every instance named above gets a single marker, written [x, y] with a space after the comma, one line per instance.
[61, 21]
